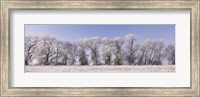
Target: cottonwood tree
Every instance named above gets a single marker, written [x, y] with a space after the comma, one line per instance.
[30, 47]
[57, 53]
[107, 51]
[143, 52]
[155, 53]
[66, 51]
[170, 53]
[93, 45]
[73, 54]
[151, 53]
[131, 49]
[118, 50]
[45, 49]
[159, 55]
[83, 60]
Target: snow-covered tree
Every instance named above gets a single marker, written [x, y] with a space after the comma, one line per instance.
[83, 57]
[151, 53]
[30, 47]
[45, 50]
[73, 54]
[66, 52]
[170, 53]
[159, 52]
[156, 53]
[143, 53]
[107, 51]
[118, 50]
[93, 44]
[131, 49]
[57, 53]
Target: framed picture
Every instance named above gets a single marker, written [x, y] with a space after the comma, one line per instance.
[100, 48]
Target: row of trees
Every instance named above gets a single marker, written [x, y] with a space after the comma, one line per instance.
[95, 51]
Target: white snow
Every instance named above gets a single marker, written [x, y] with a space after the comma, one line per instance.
[104, 68]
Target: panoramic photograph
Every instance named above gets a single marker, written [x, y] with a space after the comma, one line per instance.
[99, 48]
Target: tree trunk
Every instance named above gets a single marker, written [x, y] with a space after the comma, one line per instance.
[26, 62]
[47, 59]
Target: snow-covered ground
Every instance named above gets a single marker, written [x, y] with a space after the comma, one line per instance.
[150, 68]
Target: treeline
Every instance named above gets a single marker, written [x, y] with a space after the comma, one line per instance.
[95, 51]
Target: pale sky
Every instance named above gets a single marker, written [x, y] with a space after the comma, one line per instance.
[73, 32]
